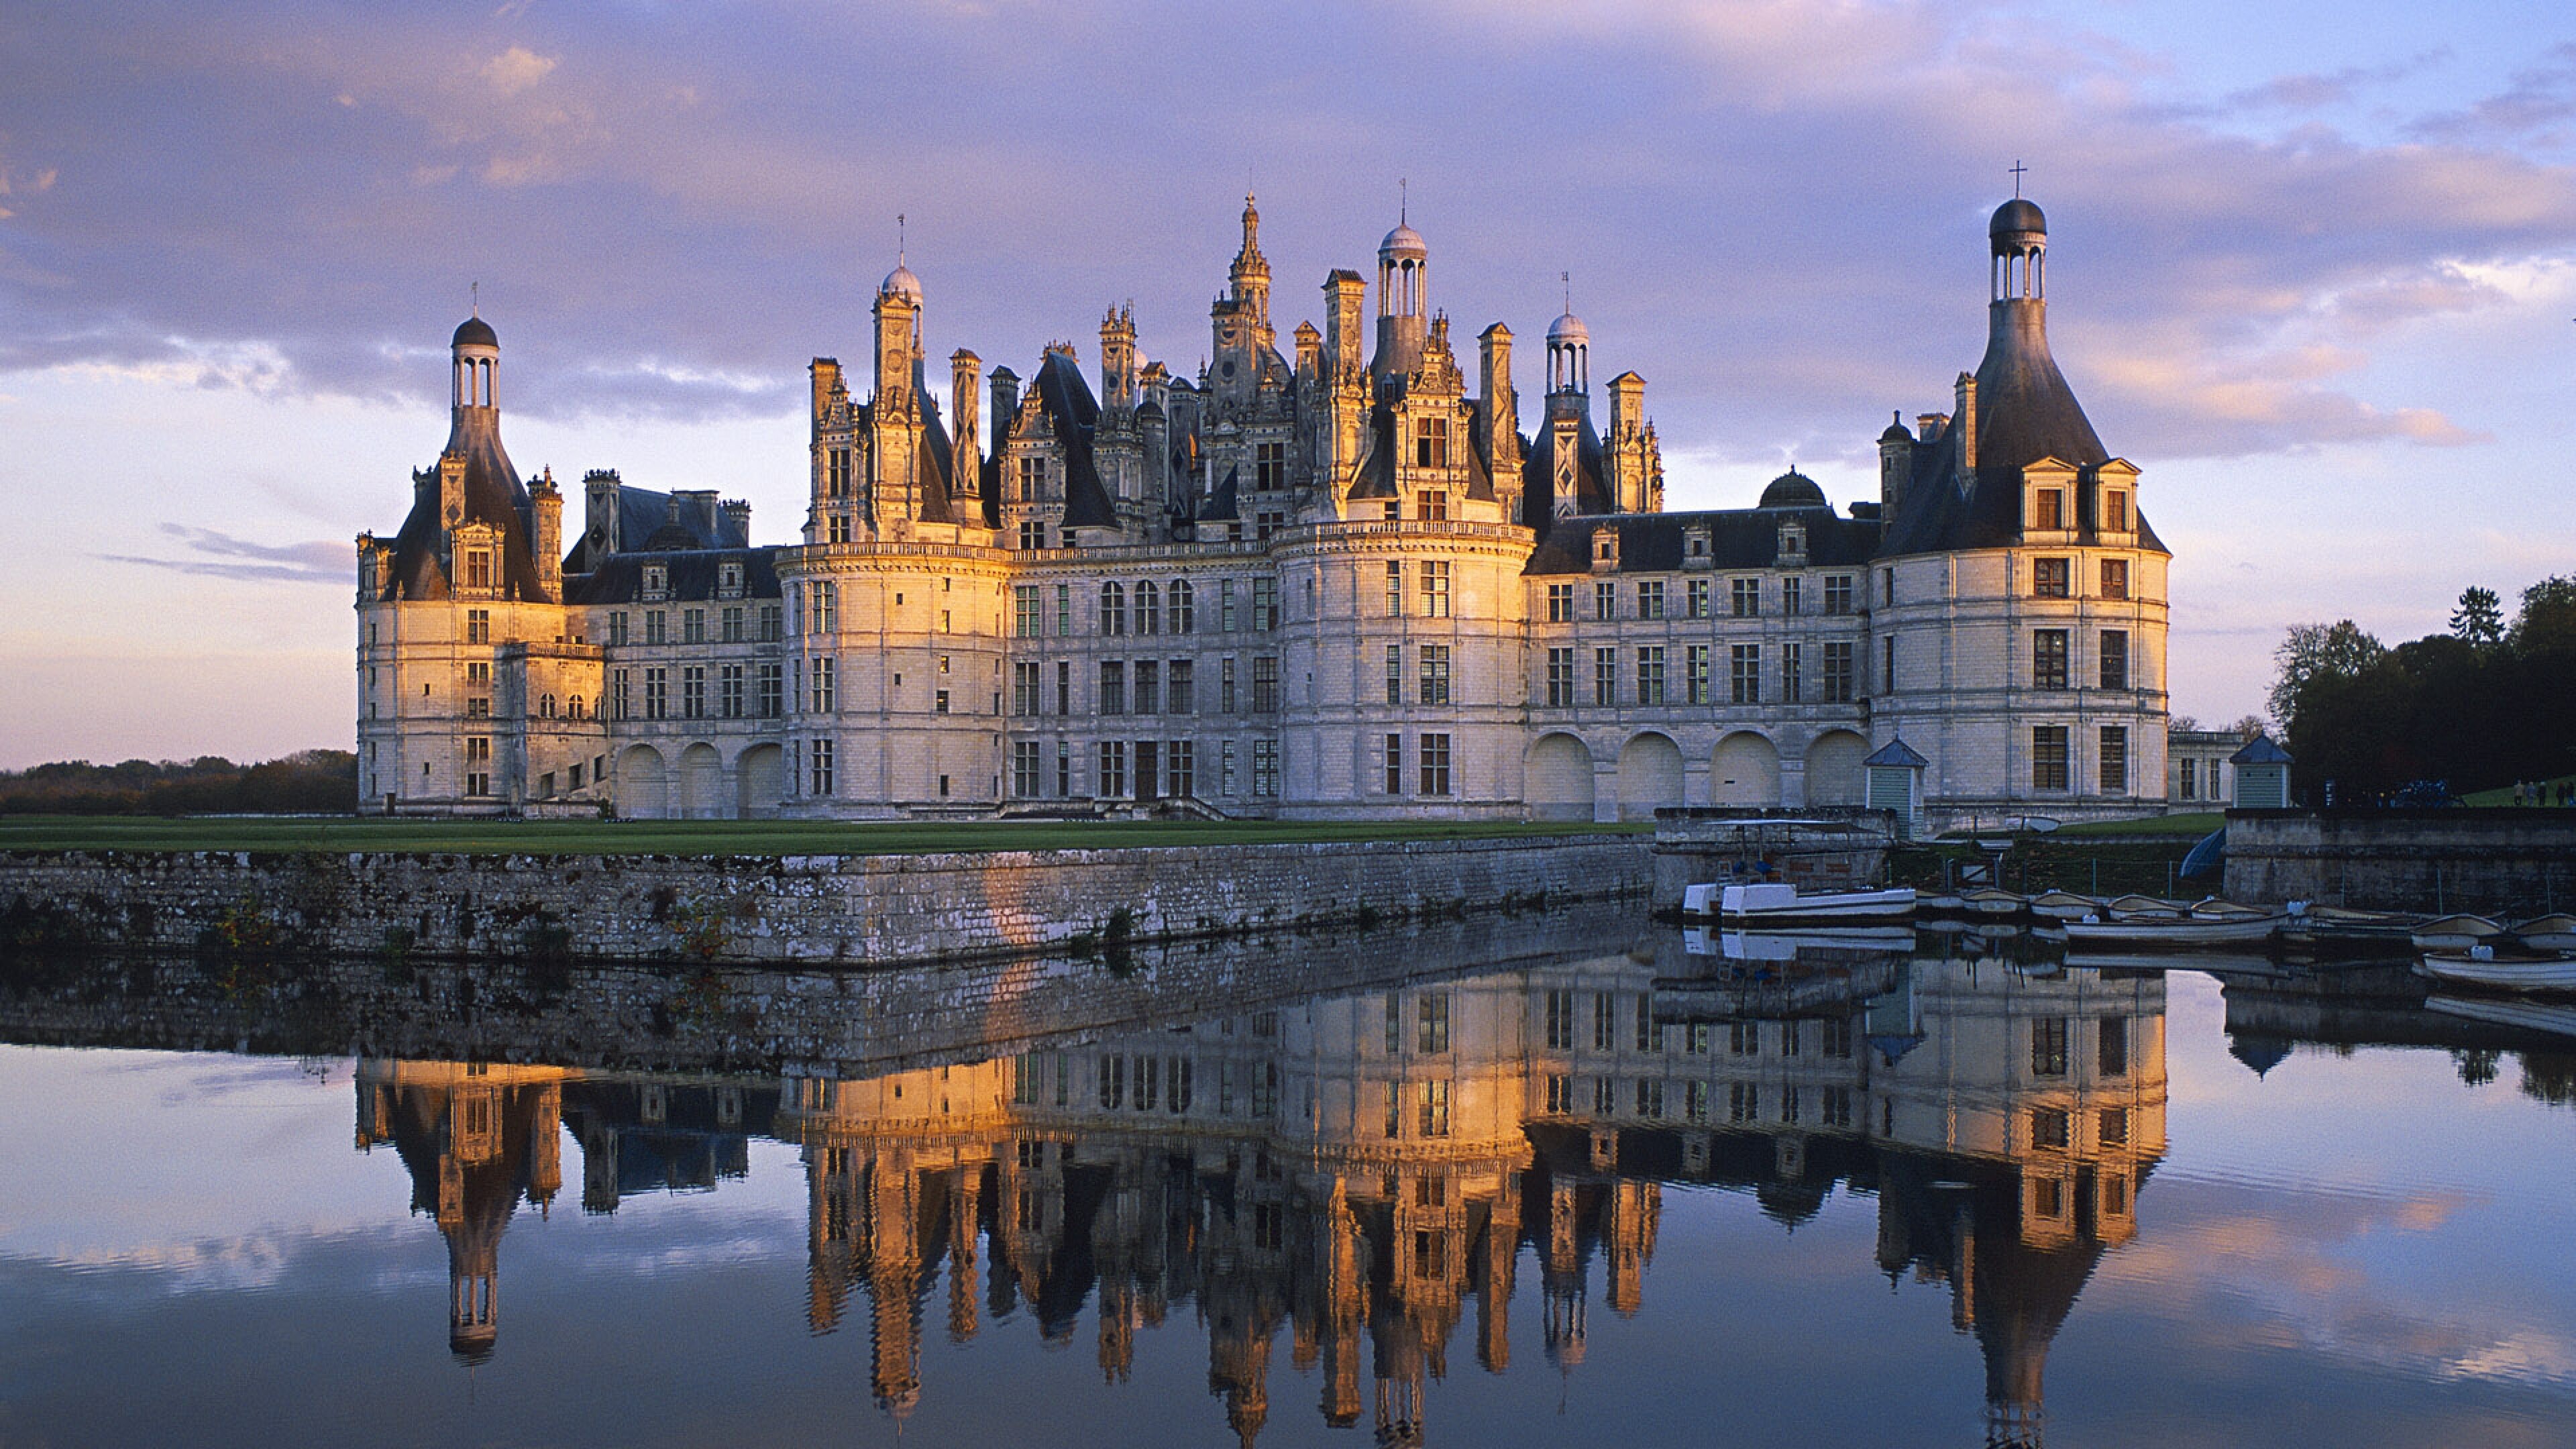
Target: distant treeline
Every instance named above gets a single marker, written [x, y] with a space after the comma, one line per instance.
[307, 782]
[2491, 703]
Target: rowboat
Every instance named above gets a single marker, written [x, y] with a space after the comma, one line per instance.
[2064, 906]
[2556, 932]
[1785, 903]
[2454, 933]
[2176, 931]
[2503, 970]
[1991, 902]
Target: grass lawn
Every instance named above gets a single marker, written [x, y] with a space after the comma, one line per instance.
[719, 837]
[2503, 794]
[2200, 823]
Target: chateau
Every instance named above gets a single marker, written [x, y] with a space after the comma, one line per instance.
[1342, 583]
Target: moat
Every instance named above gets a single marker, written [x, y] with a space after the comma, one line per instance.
[1553, 1179]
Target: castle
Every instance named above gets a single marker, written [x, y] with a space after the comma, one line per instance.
[1343, 585]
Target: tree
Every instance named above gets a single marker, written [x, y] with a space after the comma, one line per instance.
[2480, 617]
[2546, 623]
[2311, 652]
[2248, 726]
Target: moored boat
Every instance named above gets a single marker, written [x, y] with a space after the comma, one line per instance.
[1786, 903]
[1991, 902]
[2554, 932]
[2176, 931]
[2503, 970]
[2064, 906]
[2549, 1016]
[2454, 933]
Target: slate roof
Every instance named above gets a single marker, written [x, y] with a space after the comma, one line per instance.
[694, 575]
[1064, 395]
[494, 494]
[1739, 538]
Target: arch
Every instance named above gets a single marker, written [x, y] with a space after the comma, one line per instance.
[643, 786]
[1556, 776]
[1834, 773]
[760, 782]
[1650, 775]
[701, 783]
[1744, 771]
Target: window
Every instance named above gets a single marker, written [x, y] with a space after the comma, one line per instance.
[617, 628]
[1431, 443]
[1695, 672]
[827, 607]
[1838, 672]
[1789, 1104]
[1560, 603]
[824, 673]
[1743, 1101]
[478, 626]
[1433, 504]
[2048, 757]
[1435, 765]
[1270, 466]
[2112, 1128]
[1225, 606]
[1435, 674]
[1024, 689]
[729, 580]
[1265, 684]
[657, 693]
[1560, 678]
[1838, 593]
[1395, 674]
[478, 573]
[1650, 1097]
[1605, 677]
[1180, 689]
[2115, 578]
[1149, 608]
[1265, 769]
[819, 754]
[1791, 1038]
[837, 473]
[617, 681]
[729, 691]
[478, 675]
[693, 692]
[2111, 1054]
[1560, 1096]
[1113, 769]
[1697, 593]
[1560, 1021]
[2115, 510]
[1149, 689]
[2115, 659]
[1605, 599]
[1431, 1022]
[1650, 598]
[1064, 768]
[1112, 698]
[2115, 760]
[1435, 588]
[1792, 595]
[1887, 587]
[2048, 1046]
[2048, 1130]
[1695, 1102]
[1024, 769]
[1744, 597]
[1394, 588]
[1649, 1038]
[1180, 768]
[1837, 1107]
[1650, 674]
[1744, 674]
[1063, 609]
[1605, 1031]
[1225, 768]
[1180, 606]
[693, 626]
[1113, 609]
[773, 623]
[1265, 603]
[2188, 774]
[1024, 611]
[1744, 1038]
[2048, 659]
[2048, 509]
[1032, 478]
[654, 627]
[1792, 661]
[773, 692]
[1225, 700]
[733, 624]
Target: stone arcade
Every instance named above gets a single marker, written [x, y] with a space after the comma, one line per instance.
[1341, 584]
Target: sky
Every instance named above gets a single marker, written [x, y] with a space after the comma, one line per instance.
[2313, 268]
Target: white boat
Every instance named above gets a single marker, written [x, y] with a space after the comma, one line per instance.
[2064, 906]
[1784, 903]
[2176, 931]
[2527, 1015]
[2485, 966]
[1991, 902]
[2454, 933]
[2126, 908]
[2556, 932]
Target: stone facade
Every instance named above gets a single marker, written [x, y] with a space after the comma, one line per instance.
[1343, 585]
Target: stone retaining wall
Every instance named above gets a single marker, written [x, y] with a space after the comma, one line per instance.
[841, 910]
[2500, 862]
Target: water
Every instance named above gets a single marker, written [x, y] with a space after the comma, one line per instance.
[1562, 1183]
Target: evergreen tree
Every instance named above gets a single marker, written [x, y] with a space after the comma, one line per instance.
[2480, 617]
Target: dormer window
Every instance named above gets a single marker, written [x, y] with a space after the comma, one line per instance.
[478, 568]
[657, 581]
[1431, 444]
[1793, 541]
[729, 580]
[2115, 510]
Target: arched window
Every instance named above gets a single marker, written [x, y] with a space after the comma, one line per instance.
[1149, 608]
[1113, 609]
[546, 706]
[1181, 601]
[577, 707]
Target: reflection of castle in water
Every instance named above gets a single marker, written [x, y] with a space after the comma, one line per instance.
[1364, 1170]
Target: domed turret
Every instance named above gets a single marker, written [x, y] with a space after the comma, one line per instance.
[1403, 244]
[1568, 328]
[2016, 223]
[475, 332]
[1793, 489]
[901, 283]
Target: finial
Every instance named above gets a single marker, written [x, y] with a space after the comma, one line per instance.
[898, 239]
[1403, 202]
[2017, 170]
[475, 290]
[1568, 279]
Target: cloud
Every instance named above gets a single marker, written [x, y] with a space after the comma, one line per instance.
[220, 555]
[517, 69]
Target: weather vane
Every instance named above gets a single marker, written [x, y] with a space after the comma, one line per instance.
[1403, 202]
[898, 239]
[1568, 279]
[475, 290]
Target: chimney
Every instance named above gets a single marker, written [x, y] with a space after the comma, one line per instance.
[826, 373]
[1967, 416]
[1502, 407]
[966, 394]
[737, 523]
[1006, 404]
[545, 535]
